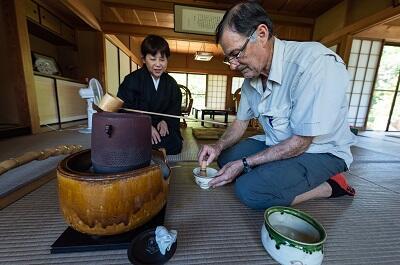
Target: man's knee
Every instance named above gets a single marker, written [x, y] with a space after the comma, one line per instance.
[253, 198]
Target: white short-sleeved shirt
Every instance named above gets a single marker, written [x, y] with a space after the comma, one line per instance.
[304, 95]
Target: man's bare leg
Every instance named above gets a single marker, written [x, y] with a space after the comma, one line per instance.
[322, 191]
[336, 186]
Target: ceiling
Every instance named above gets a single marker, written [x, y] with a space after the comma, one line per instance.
[64, 14]
[395, 22]
[143, 17]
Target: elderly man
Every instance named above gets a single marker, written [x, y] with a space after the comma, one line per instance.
[297, 92]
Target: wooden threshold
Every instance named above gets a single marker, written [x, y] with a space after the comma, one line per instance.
[26, 189]
[14, 131]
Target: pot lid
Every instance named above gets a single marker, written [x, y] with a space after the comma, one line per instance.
[144, 249]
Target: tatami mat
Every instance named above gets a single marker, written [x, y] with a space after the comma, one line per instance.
[385, 174]
[365, 155]
[214, 228]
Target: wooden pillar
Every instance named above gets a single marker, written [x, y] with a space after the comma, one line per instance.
[345, 47]
[230, 105]
[22, 73]
[102, 58]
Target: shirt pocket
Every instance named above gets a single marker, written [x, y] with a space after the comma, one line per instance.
[278, 121]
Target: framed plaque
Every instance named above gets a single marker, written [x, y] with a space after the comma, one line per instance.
[196, 20]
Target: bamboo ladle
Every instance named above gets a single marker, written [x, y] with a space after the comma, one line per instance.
[38, 155]
[111, 103]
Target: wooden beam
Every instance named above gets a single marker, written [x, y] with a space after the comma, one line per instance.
[142, 5]
[140, 30]
[291, 19]
[386, 32]
[122, 46]
[82, 11]
[166, 5]
[381, 17]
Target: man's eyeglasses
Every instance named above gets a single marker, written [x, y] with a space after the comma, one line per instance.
[235, 57]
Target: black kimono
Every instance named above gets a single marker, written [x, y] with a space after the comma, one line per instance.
[138, 92]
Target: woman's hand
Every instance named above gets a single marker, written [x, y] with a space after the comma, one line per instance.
[162, 127]
[155, 136]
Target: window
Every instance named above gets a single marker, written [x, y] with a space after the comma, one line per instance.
[333, 48]
[236, 84]
[362, 68]
[134, 66]
[384, 114]
[197, 84]
[216, 92]
[179, 78]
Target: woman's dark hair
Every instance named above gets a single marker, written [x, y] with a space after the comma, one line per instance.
[243, 18]
[153, 44]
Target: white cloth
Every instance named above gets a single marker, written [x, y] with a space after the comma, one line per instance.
[165, 238]
[155, 82]
[305, 95]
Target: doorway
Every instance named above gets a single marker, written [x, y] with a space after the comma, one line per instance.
[384, 113]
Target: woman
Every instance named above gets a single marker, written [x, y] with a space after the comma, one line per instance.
[151, 89]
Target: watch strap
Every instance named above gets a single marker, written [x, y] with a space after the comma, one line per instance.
[246, 167]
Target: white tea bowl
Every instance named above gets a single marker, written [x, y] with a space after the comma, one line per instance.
[202, 180]
[292, 237]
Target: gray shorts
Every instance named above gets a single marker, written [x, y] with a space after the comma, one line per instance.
[279, 182]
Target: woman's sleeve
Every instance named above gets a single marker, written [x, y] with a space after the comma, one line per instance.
[174, 105]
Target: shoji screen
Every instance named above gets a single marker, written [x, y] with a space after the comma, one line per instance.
[112, 74]
[216, 92]
[124, 66]
[134, 66]
[362, 67]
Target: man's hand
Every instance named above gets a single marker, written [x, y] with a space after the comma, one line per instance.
[155, 136]
[209, 152]
[227, 174]
[162, 127]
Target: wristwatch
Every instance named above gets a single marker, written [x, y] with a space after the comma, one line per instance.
[246, 167]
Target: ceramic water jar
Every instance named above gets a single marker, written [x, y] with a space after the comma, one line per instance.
[292, 237]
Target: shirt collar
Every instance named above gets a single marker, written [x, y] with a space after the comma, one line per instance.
[275, 73]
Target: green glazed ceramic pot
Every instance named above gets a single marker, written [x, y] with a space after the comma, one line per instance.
[292, 237]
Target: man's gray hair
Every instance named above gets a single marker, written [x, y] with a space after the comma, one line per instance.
[243, 18]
